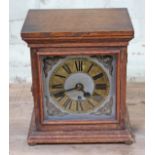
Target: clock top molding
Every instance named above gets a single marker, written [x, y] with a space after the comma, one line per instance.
[107, 27]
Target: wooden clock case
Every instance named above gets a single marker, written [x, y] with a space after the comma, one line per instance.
[78, 32]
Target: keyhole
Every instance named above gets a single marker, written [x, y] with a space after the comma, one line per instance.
[79, 97]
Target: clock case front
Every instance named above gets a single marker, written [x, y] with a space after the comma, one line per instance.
[112, 40]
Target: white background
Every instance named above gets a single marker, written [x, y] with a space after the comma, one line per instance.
[19, 52]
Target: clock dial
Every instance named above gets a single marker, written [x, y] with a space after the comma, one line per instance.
[79, 85]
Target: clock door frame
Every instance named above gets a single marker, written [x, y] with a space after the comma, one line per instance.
[37, 90]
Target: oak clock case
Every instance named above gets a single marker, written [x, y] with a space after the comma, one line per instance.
[78, 61]
[79, 87]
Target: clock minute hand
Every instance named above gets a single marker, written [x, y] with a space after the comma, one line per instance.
[86, 94]
[78, 86]
[61, 93]
[70, 89]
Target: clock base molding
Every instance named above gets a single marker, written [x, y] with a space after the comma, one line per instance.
[66, 137]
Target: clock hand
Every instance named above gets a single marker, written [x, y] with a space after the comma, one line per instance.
[86, 94]
[80, 87]
[70, 89]
[74, 88]
[61, 93]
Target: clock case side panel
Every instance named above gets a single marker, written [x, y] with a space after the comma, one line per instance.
[35, 86]
[125, 122]
[84, 125]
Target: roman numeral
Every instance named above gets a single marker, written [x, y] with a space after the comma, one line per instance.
[79, 106]
[97, 97]
[61, 76]
[79, 65]
[98, 76]
[60, 98]
[101, 86]
[96, 94]
[59, 94]
[91, 66]
[57, 86]
[91, 103]
[67, 69]
[67, 103]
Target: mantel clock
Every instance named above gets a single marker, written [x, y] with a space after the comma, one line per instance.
[78, 60]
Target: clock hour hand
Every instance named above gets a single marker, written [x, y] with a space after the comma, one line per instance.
[86, 94]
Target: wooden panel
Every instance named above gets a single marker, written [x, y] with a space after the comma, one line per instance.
[76, 23]
[78, 136]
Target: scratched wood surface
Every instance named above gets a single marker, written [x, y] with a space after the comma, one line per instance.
[21, 105]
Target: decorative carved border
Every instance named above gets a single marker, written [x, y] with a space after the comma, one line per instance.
[106, 109]
[106, 60]
[52, 110]
[48, 62]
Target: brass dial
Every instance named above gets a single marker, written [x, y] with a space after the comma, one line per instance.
[79, 85]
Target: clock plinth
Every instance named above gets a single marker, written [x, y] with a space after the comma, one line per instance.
[79, 75]
[78, 136]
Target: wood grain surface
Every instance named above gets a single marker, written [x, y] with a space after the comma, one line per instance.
[77, 22]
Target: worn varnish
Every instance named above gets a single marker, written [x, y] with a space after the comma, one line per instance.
[65, 23]
[78, 32]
